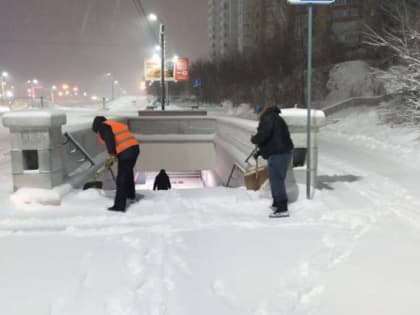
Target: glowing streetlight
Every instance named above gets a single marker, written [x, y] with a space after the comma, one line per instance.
[9, 94]
[153, 18]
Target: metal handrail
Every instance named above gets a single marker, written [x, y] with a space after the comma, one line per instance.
[78, 147]
[235, 165]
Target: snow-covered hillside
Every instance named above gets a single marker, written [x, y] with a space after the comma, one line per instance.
[351, 79]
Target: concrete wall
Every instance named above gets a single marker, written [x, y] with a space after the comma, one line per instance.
[355, 102]
[174, 143]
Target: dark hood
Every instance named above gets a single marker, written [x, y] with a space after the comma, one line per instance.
[269, 109]
[97, 122]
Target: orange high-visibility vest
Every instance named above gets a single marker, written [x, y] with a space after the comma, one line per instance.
[122, 136]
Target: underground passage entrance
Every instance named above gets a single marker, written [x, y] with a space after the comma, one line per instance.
[179, 179]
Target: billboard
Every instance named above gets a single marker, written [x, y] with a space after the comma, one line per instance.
[182, 67]
[174, 70]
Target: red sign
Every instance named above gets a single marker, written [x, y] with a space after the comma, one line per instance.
[182, 69]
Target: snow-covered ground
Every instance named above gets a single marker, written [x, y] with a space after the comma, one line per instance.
[352, 79]
[353, 249]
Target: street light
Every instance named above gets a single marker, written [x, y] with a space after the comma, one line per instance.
[53, 89]
[31, 84]
[4, 76]
[113, 83]
[153, 18]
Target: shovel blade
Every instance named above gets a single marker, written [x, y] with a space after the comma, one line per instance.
[94, 184]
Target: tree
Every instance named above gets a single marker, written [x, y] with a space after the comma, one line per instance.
[401, 39]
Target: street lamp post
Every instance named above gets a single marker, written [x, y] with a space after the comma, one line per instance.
[32, 84]
[162, 66]
[113, 83]
[3, 77]
[153, 17]
[53, 89]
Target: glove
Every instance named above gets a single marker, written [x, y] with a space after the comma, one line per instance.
[110, 161]
[257, 154]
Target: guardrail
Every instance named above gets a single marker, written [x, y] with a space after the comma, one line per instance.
[355, 102]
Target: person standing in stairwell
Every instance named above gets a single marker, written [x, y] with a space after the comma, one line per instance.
[124, 147]
[276, 146]
[162, 181]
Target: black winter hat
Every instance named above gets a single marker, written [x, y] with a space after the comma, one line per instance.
[97, 122]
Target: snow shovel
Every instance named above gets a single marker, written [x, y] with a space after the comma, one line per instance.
[255, 178]
[98, 184]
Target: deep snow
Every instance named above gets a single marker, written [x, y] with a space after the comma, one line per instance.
[350, 250]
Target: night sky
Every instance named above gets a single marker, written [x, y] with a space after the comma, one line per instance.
[81, 40]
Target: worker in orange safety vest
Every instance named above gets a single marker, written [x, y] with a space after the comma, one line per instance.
[124, 147]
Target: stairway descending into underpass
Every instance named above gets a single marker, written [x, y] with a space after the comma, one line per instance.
[179, 179]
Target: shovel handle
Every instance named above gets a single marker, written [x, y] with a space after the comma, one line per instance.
[112, 174]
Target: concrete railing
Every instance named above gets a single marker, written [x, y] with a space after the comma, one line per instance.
[233, 144]
[355, 102]
[178, 143]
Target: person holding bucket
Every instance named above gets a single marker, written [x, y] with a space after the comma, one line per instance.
[124, 147]
[276, 146]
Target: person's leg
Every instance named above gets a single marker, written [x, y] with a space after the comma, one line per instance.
[121, 194]
[279, 165]
[130, 184]
[274, 179]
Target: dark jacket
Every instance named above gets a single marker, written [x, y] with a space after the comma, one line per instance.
[273, 135]
[108, 136]
[162, 181]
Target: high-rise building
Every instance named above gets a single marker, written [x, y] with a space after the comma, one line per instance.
[346, 21]
[247, 33]
[223, 28]
[242, 26]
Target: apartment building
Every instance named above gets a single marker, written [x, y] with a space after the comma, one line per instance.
[241, 26]
[247, 32]
[258, 22]
[223, 28]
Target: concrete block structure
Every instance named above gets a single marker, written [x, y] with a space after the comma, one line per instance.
[44, 157]
[36, 143]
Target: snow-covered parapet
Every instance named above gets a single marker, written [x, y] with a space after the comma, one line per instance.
[36, 142]
[41, 159]
[233, 142]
